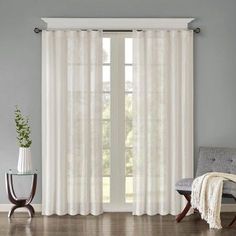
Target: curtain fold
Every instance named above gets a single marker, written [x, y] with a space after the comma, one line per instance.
[163, 118]
[72, 122]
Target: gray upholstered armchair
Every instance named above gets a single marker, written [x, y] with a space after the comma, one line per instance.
[211, 159]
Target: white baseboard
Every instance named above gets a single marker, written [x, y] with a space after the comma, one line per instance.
[38, 208]
[7, 207]
[124, 208]
[228, 208]
[128, 208]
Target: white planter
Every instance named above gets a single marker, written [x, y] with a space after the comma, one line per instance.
[24, 160]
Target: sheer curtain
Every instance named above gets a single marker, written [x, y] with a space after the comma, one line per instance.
[71, 120]
[163, 118]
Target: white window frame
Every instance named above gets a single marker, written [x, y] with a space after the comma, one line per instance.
[117, 162]
[117, 195]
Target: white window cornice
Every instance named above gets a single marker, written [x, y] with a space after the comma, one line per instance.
[117, 23]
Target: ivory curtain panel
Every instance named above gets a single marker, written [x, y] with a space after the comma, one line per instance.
[72, 127]
[163, 118]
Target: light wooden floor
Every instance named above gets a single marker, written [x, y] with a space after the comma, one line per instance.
[109, 224]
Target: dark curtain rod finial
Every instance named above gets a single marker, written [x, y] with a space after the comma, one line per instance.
[37, 30]
[197, 30]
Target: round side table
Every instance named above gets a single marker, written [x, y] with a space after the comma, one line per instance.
[20, 202]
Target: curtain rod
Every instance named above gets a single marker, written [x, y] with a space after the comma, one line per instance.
[195, 30]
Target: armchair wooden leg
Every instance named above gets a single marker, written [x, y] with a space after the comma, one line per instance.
[234, 219]
[185, 210]
[232, 222]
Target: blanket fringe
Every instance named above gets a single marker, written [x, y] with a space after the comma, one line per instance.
[207, 195]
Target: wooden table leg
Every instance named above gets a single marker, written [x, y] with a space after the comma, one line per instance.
[20, 202]
[30, 210]
[12, 211]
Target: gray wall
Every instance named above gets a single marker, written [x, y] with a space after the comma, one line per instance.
[20, 58]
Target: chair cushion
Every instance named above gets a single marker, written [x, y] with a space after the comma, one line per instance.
[185, 185]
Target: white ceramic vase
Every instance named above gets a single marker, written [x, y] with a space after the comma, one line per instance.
[24, 160]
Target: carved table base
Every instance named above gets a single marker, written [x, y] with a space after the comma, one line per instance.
[20, 202]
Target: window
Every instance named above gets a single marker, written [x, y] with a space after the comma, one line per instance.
[106, 117]
[117, 120]
[128, 120]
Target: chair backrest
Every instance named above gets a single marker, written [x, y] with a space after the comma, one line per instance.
[215, 159]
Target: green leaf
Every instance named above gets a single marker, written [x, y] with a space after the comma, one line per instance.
[22, 128]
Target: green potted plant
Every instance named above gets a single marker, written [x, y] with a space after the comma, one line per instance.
[24, 141]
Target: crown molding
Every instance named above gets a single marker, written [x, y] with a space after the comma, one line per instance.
[117, 23]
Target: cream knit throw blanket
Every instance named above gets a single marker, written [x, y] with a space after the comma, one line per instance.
[207, 194]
